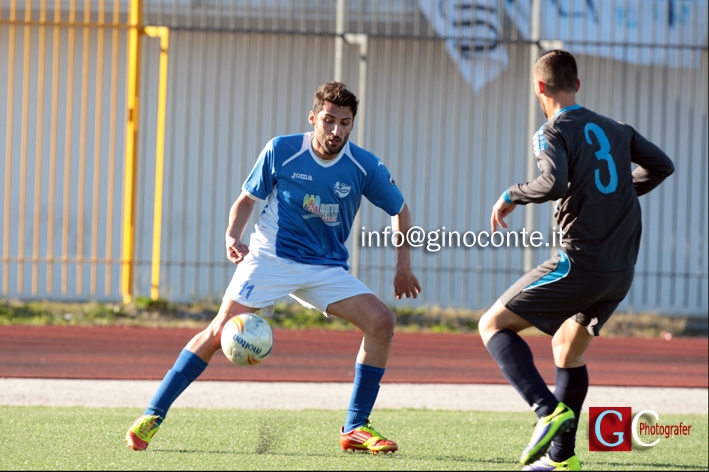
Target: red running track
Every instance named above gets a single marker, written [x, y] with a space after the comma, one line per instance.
[329, 356]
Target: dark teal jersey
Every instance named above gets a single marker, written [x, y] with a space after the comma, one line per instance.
[586, 163]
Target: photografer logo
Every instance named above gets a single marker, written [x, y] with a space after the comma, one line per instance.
[612, 427]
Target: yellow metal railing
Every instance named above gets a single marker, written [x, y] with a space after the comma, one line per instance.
[8, 147]
[164, 34]
[112, 141]
[52, 207]
[135, 37]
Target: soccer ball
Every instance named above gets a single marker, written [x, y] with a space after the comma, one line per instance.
[247, 339]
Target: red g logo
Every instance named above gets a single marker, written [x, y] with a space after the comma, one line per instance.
[610, 428]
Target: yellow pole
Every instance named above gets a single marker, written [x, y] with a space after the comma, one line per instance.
[97, 148]
[23, 152]
[164, 34]
[131, 158]
[67, 148]
[39, 159]
[112, 148]
[53, 150]
[8, 148]
[81, 187]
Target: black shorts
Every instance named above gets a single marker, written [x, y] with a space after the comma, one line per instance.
[558, 290]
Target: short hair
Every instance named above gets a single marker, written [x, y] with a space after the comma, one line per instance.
[337, 93]
[557, 69]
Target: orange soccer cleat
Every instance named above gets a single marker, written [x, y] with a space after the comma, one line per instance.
[365, 438]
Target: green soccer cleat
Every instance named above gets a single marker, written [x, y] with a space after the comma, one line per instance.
[560, 421]
[365, 438]
[144, 428]
[545, 463]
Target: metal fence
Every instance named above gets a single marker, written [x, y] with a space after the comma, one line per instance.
[446, 103]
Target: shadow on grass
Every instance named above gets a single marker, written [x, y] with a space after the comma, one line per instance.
[386, 456]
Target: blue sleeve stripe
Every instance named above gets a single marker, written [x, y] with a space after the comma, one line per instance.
[506, 197]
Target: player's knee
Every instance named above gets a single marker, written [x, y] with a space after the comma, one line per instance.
[565, 355]
[384, 321]
[486, 327]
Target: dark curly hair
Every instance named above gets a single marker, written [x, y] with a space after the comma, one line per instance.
[337, 93]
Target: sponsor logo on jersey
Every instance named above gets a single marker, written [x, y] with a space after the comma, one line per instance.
[296, 175]
[342, 189]
[328, 212]
[391, 180]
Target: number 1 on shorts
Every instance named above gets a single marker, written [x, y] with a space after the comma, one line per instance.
[247, 287]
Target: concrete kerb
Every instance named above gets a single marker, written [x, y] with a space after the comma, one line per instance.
[329, 396]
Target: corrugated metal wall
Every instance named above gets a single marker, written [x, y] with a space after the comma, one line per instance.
[242, 72]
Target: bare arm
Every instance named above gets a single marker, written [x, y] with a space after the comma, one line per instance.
[405, 282]
[239, 215]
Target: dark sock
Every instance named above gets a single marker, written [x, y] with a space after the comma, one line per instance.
[187, 368]
[571, 389]
[515, 359]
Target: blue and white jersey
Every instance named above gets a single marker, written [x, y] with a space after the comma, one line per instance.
[311, 202]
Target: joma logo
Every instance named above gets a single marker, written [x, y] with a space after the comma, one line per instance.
[296, 175]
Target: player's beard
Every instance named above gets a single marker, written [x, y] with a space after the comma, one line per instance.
[333, 150]
[544, 110]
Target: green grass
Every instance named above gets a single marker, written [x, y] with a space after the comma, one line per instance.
[82, 438]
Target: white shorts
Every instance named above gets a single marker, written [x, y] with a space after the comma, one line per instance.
[260, 280]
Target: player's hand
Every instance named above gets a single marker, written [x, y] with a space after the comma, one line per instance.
[499, 212]
[406, 284]
[235, 249]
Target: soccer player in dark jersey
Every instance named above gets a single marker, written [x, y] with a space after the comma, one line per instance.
[586, 162]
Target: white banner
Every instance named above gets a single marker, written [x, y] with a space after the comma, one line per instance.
[474, 28]
[644, 32]
[653, 29]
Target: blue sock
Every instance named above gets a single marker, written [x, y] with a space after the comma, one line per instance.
[515, 359]
[571, 388]
[187, 368]
[366, 388]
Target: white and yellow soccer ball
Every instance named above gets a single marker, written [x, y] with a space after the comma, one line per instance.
[247, 339]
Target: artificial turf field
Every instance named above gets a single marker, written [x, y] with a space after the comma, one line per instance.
[71, 438]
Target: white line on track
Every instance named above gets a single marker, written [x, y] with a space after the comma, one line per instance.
[328, 396]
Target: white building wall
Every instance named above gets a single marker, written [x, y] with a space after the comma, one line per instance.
[452, 152]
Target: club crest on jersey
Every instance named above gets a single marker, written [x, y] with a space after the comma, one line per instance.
[342, 189]
[328, 212]
[296, 175]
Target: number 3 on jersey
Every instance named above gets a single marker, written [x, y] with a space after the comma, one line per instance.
[602, 154]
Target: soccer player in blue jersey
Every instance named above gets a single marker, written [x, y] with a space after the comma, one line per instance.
[313, 185]
[586, 163]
